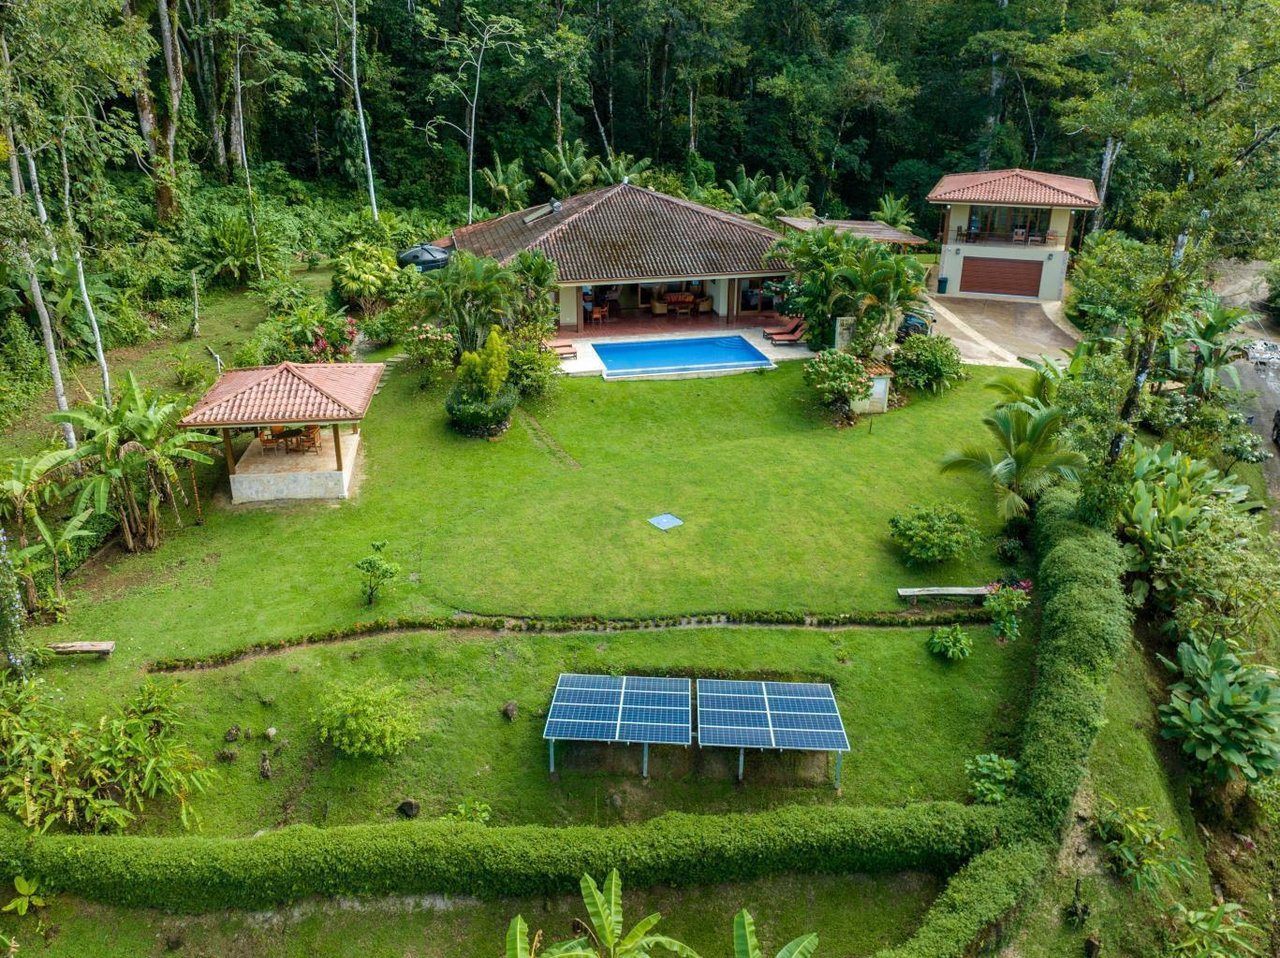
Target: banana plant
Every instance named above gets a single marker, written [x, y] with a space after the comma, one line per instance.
[57, 539]
[604, 937]
[745, 944]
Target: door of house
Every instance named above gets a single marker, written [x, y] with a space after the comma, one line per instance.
[1008, 277]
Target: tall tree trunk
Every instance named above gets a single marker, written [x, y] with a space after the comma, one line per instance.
[50, 346]
[242, 157]
[204, 73]
[693, 127]
[73, 237]
[996, 105]
[15, 170]
[1110, 151]
[364, 132]
[471, 136]
[159, 134]
[37, 195]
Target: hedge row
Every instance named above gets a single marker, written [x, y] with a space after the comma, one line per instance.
[496, 623]
[977, 903]
[1084, 625]
[195, 874]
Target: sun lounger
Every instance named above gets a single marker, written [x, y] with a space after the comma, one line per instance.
[563, 348]
[792, 339]
[786, 330]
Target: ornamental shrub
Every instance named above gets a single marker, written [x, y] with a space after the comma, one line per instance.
[481, 400]
[1004, 602]
[367, 720]
[990, 778]
[375, 572]
[929, 535]
[840, 380]
[430, 348]
[927, 363]
[950, 642]
[363, 276]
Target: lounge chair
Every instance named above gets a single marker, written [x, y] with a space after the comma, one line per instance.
[786, 330]
[563, 348]
[791, 339]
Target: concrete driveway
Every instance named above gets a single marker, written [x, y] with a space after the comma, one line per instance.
[996, 332]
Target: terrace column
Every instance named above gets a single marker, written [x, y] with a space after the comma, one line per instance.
[337, 446]
[228, 452]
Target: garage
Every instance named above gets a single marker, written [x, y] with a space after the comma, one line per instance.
[1009, 277]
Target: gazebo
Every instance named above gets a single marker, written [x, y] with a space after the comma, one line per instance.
[286, 407]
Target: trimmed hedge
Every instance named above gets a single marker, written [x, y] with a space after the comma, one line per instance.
[976, 904]
[195, 874]
[1085, 623]
[496, 623]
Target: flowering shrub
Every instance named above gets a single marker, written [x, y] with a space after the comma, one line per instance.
[839, 379]
[1004, 602]
[432, 348]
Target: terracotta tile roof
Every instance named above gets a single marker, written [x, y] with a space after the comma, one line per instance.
[878, 369]
[627, 233]
[1015, 188]
[871, 229]
[288, 393]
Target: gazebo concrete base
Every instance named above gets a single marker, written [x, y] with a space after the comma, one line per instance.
[263, 475]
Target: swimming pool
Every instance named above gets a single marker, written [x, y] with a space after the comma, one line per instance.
[676, 357]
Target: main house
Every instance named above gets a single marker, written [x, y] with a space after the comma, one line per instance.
[1008, 232]
[624, 250]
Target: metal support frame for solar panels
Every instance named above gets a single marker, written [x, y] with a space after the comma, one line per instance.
[787, 716]
[644, 710]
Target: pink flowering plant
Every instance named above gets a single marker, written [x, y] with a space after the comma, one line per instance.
[840, 380]
[432, 348]
[1004, 602]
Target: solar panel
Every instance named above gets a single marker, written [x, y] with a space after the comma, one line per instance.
[782, 715]
[609, 708]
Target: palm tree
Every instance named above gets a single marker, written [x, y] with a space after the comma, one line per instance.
[135, 446]
[882, 287]
[604, 936]
[508, 185]
[791, 197]
[25, 485]
[569, 170]
[1047, 376]
[471, 294]
[892, 211]
[623, 168]
[1027, 459]
[745, 944]
[752, 195]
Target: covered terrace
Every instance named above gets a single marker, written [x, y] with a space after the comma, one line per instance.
[304, 420]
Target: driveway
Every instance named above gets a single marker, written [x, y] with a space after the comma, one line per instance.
[993, 332]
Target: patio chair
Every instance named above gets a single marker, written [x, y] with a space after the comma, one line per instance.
[786, 330]
[1020, 235]
[1051, 238]
[792, 338]
[598, 314]
[309, 441]
[270, 438]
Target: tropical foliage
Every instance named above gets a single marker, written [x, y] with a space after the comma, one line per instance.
[367, 720]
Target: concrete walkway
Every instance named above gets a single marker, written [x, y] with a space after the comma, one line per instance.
[991, 332]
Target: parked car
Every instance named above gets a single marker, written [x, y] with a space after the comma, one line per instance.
[914, 325]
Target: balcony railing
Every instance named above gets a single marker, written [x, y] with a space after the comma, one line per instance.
[1015, 237]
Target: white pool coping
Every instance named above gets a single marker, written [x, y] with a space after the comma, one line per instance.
[588, 362]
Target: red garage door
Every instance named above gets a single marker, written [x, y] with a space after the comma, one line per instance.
[1011, 277]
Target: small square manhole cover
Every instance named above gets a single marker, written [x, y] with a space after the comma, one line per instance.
[666, 521]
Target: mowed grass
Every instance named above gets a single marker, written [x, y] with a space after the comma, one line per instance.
[781, 511]
[912, 721]
[854, 915]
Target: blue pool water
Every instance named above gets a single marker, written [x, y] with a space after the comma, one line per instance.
[666, 357]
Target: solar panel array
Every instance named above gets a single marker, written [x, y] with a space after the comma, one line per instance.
[610, 708]
[783, 715]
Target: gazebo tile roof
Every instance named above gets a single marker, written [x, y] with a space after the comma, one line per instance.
[1016, 188]
[288, 393]
[626, 233]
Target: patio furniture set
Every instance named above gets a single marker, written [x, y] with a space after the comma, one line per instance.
[1018, 236]
[300, 439]
[791, 333]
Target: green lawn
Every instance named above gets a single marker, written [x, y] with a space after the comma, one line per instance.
[781, 511]
[912, 721]
[854, 915]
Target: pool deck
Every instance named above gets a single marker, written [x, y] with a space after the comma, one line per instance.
[588, 362]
